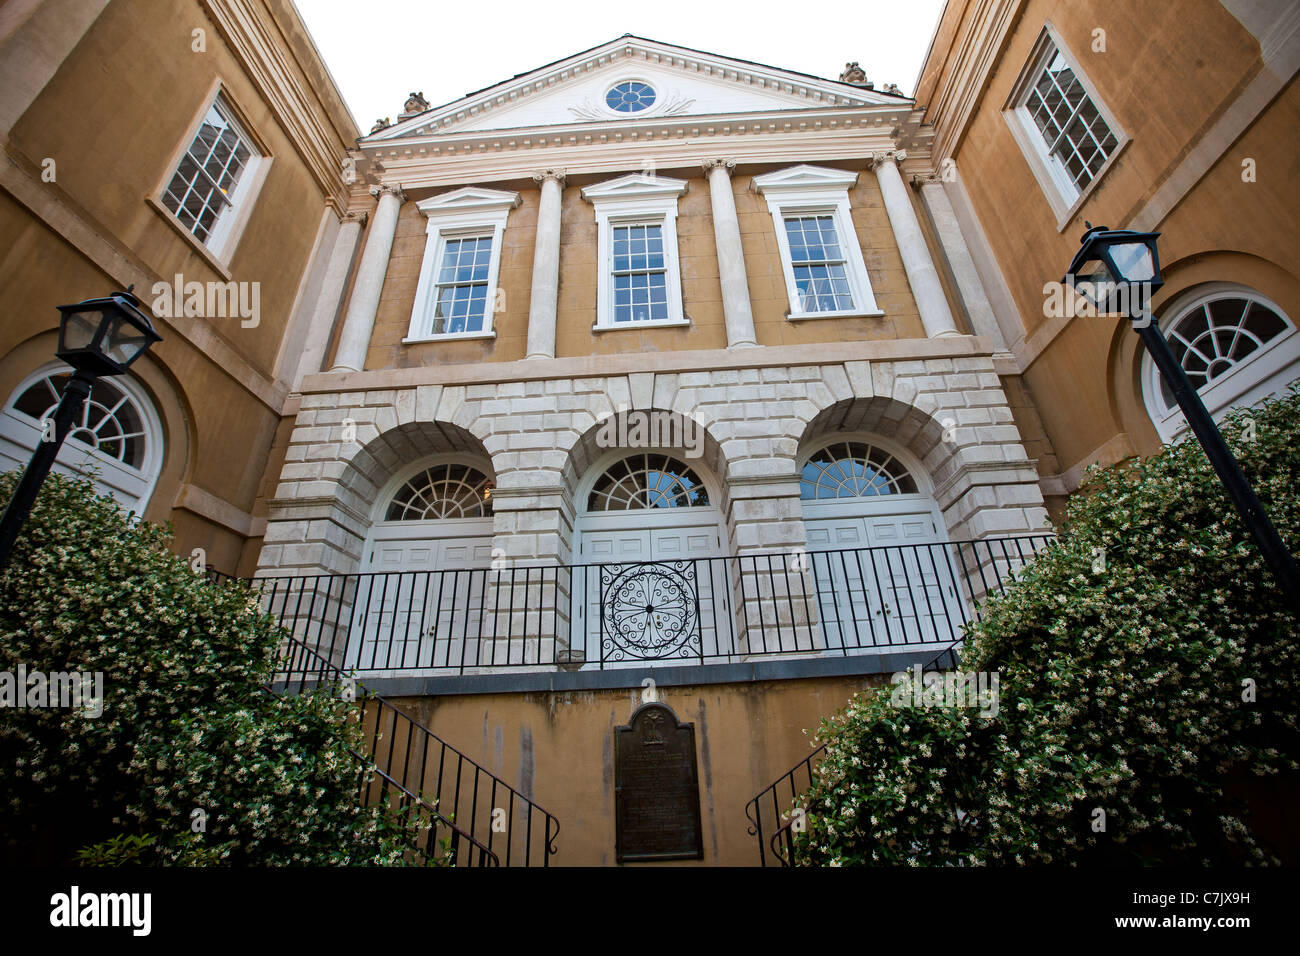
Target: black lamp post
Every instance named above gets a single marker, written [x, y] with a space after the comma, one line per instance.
[96, 337]
[1118, 270]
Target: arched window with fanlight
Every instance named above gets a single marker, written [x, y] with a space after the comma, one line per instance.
[853, 469]
[117, 439]
[1236, 347]
[876, 543]
[649, 542]
[646, 481]
[449, 490]
[433, 515]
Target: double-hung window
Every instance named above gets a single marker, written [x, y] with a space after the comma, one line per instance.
[1066, 133]
[211, 186]
[825, 275]
[457, 294]
[639, 273]
[639, 278]
[819, 263]
[463, 285]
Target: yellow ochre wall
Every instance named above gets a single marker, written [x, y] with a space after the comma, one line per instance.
[701, 290]
[561, 746]
[1168, 74]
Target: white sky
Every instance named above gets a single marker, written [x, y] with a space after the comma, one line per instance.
[380, 50]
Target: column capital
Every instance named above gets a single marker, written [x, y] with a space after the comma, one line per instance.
[389, 189]
[925, 179]
[359, 216]
[894, 156]
[542, 175]
[725, 162]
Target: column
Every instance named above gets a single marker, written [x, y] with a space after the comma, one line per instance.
[736, 310]
[328, 299]
[546, 266]
[921, 274]
[354, 340]
[983, 321]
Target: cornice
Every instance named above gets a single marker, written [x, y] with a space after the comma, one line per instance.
[890, 118]
[263, 57]
[485, 165]
[960, 89]
[608, 366]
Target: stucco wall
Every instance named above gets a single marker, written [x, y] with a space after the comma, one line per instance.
[558, 748]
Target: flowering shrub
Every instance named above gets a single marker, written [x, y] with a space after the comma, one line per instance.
[1148, 665]
[191, 760]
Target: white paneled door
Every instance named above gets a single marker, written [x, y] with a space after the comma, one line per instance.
[404, 617]
[650, 591]
[882, 572]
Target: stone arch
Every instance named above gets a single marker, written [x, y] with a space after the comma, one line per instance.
[968, 475]
[375, 463]
[670, 432]
[592, 445]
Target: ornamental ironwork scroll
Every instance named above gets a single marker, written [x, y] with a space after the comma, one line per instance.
[649, 611]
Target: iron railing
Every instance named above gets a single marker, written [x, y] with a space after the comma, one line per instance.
[771, 820]
[486, 821]
[913, 598]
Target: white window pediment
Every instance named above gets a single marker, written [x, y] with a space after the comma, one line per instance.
[457, 291]
[804, 177]
[825, 274]
[634, 186]
[470, 199]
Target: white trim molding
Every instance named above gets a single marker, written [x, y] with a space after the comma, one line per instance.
[815, 190]
[1062, 194]
[462, 213]
[636, 199]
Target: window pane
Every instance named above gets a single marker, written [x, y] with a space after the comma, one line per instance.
[205, 179]
[1072, 128]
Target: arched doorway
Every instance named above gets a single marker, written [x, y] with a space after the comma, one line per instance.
[877, 546]
[649, 552]
[118, 436]
[424, 567]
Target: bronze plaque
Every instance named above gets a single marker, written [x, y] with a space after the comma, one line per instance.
[656, 789]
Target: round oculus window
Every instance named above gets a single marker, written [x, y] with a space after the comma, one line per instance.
[631, 96]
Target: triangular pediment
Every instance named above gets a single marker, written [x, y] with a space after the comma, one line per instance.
[469, 199]
[804, 177]
[635, 186]
[683, 82]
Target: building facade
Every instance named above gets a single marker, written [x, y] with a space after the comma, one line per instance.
[647, 375]
[1174, 118]
[205, 171]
